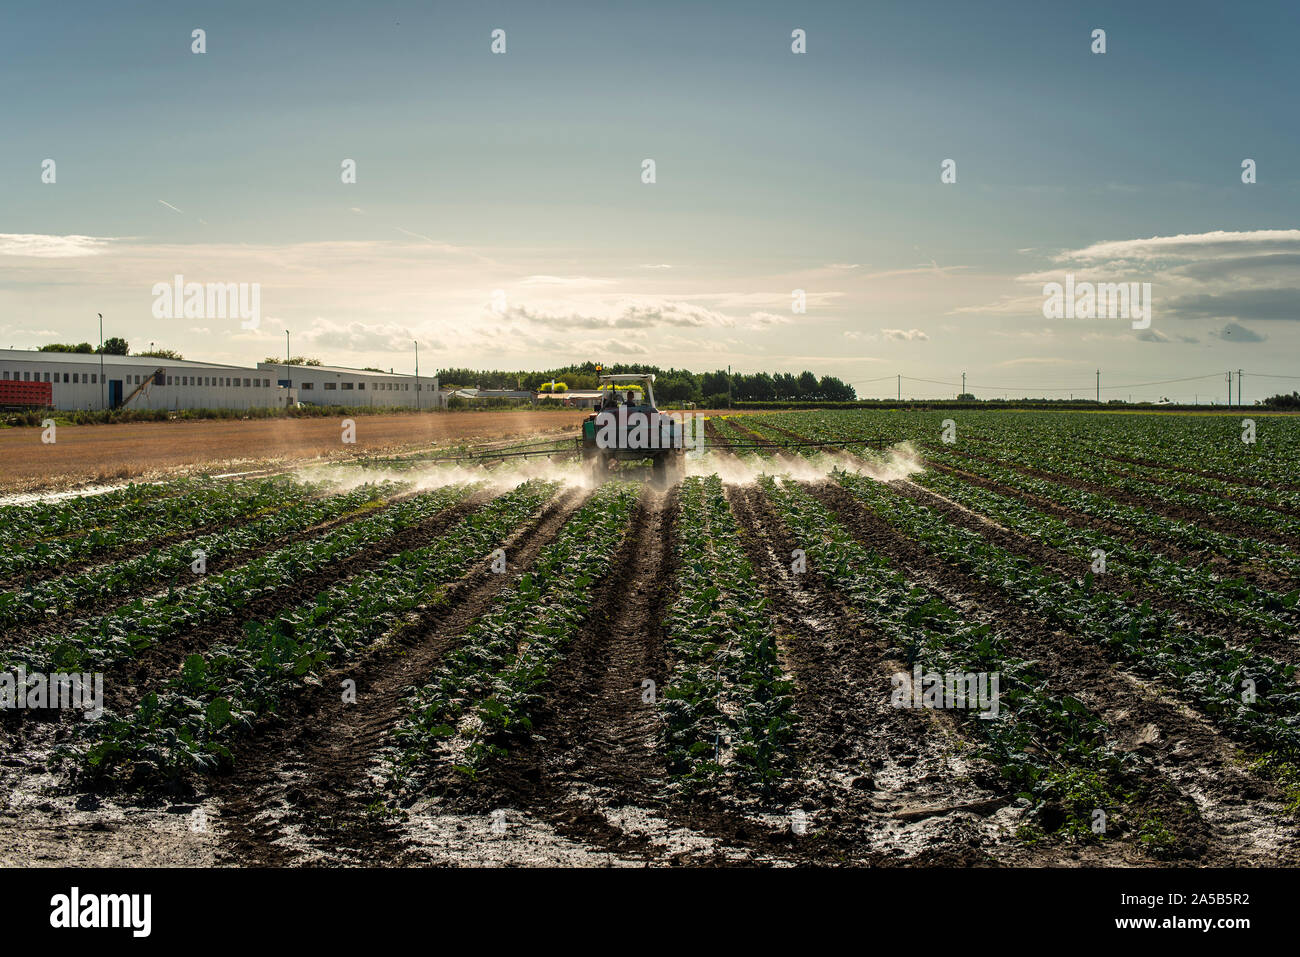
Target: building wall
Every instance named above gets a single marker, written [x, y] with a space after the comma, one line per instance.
[331, 385]
[75, 383]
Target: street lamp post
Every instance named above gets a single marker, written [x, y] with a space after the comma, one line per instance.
[417, 374]
[101, 362]
[288, 382]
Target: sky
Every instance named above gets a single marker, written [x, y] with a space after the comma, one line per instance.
[500, 219]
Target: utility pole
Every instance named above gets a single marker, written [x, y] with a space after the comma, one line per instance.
[728, 386]
[1239, 402]
[288, 382]
[417, 375]
[1099, 387]
[101, 362]
[1230, 388]
[900, 387]
[963, 383]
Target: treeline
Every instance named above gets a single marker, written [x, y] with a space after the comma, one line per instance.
[1283, 401]
[671, 385]
[113, 346]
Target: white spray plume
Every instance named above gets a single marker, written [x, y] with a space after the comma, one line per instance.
[898, 462]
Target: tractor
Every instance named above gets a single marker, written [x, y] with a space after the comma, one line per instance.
[628, 427]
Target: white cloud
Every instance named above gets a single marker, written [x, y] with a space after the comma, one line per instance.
[1186, 246]
[52, 247]
[568, 282]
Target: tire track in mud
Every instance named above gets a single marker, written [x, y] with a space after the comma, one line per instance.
[1242, 635]
[1239, 815]
[595, 748]
[301, 789]
[596, 773]
[867, 767]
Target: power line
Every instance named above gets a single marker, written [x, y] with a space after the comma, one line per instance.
[1081, 387]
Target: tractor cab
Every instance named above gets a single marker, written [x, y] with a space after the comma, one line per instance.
[628, 427]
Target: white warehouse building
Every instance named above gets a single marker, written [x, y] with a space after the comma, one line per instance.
[335, 385]
[147, 382]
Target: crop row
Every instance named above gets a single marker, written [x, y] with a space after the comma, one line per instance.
[485, 694]
[728, 434]
[205, 507]
[127, 631]
[1244, 692]
[1046, 744]
[1263, 556]
[1061, 462]
[1249, 551]
[1231, 598]
[191, 724]
[728, 707]
[49, 520]
[159, 566]
[1205, 445]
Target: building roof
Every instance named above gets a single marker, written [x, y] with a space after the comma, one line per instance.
[158, 362]
[342, 370]
[92, 358]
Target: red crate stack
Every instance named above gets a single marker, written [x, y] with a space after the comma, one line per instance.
[37, 394]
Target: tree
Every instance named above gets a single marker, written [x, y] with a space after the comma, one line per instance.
[115, 346]
[162, 354]
[295, 361]
[836, 390]
[81, 347]
[786, 385]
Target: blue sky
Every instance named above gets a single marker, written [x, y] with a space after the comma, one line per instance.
[521, 173]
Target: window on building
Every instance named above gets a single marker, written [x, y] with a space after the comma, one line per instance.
[27, 377]
[308, 385]
[65, 378]
[248, 383]
[361, 385]
[76, 377]
[347, 386]
[159, 378]
[169, 380]
[47, 377]
[331, 386]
